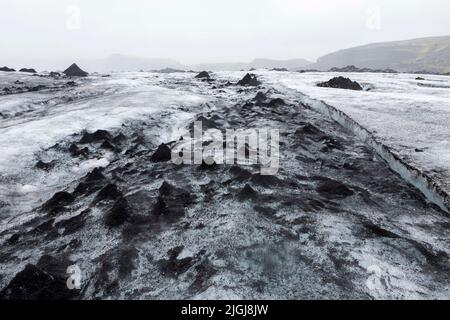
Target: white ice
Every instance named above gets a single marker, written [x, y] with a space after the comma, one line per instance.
[411, 117]
[108, 104]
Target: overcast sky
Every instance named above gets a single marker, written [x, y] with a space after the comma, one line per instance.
[194, 31]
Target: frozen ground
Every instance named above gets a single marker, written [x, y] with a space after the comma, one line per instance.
[411, 117]
[335, 222]
[32, 121]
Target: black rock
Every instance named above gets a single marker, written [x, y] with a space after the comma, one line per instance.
[378, 231]
[96, 136]
[118, 214]
[6, 69]
[309, 129]
[58, 202]
[109, 192]
[54, 74]
[207, 123]
[308, 70]
[420, 78]
[75, 71]
[352, 68]
[276, 102]
[163, 153]
[30, 70]
[341, 83]
[45, 165]
[91, 182]
[260, 97]
[265, 180]
[75, 151]
[45, 281]
[108, 146]
[205, 166]
[14, 238]
[171, 202]
[239, 173]
[45, 226]
[249, 80]
[120, 138]
[203, 75]
[204, 272]
[279, 69]
[95, 176]
[173, 266]
[73, 224]
[247, 193]
[333, 188]
[37, 88]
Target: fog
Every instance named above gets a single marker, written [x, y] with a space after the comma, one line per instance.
[208, 31]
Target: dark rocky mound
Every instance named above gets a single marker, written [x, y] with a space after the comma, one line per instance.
[30, 70]
[249, 80]
[352, 68]
[308, 129]
[247, 193]
[108, 145]
[276, 102]
[58, 202]
[333, 188]
[279, 69]
[44, 281]
[210, 164]
[75, 71]
[6, 69]
[163, 153]
[75, 151]
[119, 213]
[171, 202]
[91, 182]
[109, 192]
[239, 173]
[174, 266]
[96, 136]
[308, 70]
[45, 165]
[341, 83]
[260, 96]
[420, 78]
[265, 180]
[39, 87]
[73, 224]
[203, 75]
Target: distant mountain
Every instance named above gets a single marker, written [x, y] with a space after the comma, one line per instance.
[424, 54]
[293, 64]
